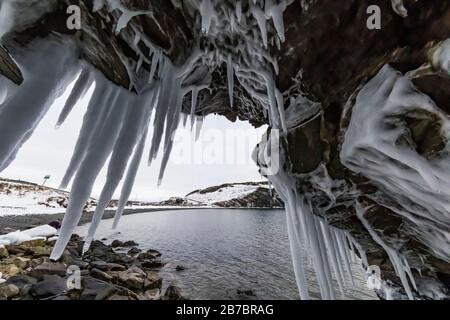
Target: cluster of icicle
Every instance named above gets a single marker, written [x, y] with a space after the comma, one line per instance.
[115, 124]
[241, 40]
[330, 250]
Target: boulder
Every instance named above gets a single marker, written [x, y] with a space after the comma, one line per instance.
[95, 289]
[8, 291]
[151, 264]
[99, 274]
[173, 293]
[38, 261]
[51, 285]
[41, 251]
[116, 243]
[9, 270]
[180, 268]
[154, 252]
[99, 264]
[133, 281]
[21, 262]
[116, 267]
[152, 281]
[152, 294]
[3, 252]
[49, 268]
[134, 251]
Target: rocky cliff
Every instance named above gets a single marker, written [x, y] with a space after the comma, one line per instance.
[363, 112]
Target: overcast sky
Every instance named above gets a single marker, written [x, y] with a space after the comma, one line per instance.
[222, 154]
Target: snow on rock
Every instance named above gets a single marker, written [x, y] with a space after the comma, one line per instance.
[239, 195]
[222, 193]
[41, 231]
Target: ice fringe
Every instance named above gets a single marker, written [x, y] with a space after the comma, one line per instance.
[308, 233]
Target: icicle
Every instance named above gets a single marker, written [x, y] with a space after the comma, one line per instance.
[399, 8]
[345, 254]
[84, 82]
[99, 150]
[96, 110]
[137, 119]
[48, 69]
[198, 128]
[297, 253]
[239, 11]
[334, 257]
[162, 108]
[98, 4]
[206, 11]
[326, 263]
[393, 256]
[258, 14]
[129, 180]
[230, 77]
[193, 105]
[281, 111]
[275, 11]
[155, 60]
[139, 64]
[273, 105]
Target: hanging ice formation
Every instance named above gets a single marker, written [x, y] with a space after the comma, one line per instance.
[309, 235]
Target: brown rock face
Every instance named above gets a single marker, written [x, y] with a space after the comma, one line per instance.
[328, 56]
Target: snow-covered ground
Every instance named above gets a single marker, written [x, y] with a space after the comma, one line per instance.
[18, 198]
[225, 193]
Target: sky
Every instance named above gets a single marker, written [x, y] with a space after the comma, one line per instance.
[222, 154]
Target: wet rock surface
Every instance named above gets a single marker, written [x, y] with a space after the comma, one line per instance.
[105, 272]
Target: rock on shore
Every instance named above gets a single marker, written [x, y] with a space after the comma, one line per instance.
[105, 272]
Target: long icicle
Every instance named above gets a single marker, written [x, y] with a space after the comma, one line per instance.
[129, 180]
[95, 158]
[129, 136]
[96, 110]
[82, 85]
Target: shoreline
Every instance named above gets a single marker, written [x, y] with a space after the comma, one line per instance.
[19, 222]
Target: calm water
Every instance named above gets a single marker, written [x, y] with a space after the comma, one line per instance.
[223, 251]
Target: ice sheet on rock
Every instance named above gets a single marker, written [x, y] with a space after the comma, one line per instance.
[420, 187]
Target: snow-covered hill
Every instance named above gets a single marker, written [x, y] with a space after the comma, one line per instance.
[236, 195]
[21, 197]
